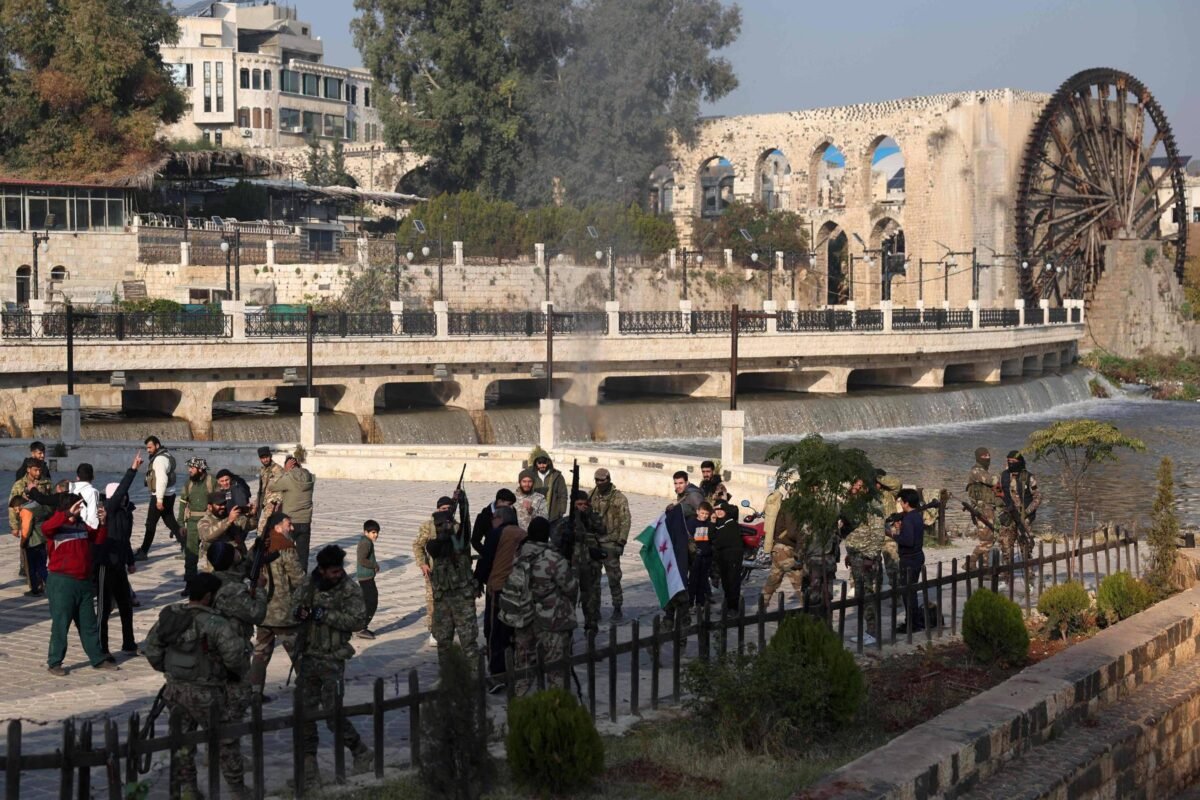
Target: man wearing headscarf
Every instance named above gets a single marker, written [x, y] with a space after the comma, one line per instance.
[193, 502]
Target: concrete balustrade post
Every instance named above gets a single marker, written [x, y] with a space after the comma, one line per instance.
[309, 407]
[36, 309]
[728, 259]
[1045, 306]
[185, 254]
[885, 306]
[458, 253]
[396, 307]
[363, 252]
[733, 438]
[973, 305]
[270, 252]
[549, 422]
[613, 309]
[769, 307]
[685, 313]
[236, 309]
[671, 259]
[946, 305]
[442, 311]
[793, 306]
[779, 260]
[71, 431]
[1019, 305]
[539, 255]
[850, 306]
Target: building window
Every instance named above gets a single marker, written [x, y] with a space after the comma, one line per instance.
[220, 87]
[245, 78]
[1196, 215]
[207, 136]
[333, 89]
[256, 79]
[289, 120]
[312, 85]
[366, 97]
[289, 81]
[207, 87]
[258, 118]
[312, 123]
[352, 94]
[243, 118]
[217, 138]
[181, 74]
[351, 130]
[23, 284]
[266, 79]
[335, 126]
[267, 116]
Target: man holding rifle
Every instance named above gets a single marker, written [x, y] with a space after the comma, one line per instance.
[981, 502]
[1020, 497]
[448, 561]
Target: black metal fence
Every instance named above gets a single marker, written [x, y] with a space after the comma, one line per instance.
[496, 323]
[869, 319]
[1058, 316]
[812, 320]
[1076, 315]
[930, 319]
[651, 322]
[118, 325]
[999, 317]
[267, 325]
[123, 759]
[721, 322]
[1035, 316]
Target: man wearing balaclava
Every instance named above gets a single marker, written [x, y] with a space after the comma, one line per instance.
[981, 493]
[1021, 497]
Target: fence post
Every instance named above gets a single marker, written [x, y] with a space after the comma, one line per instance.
[12, 760]
[612, 672]
[973, 307]
[703, 634]
[938, 601]
[591, 671]
[1019, 305]
[655, 662]
[612, 309]
[131, 740]
[761, 621]
[112, 760]
[414, 719]
[67, 776]
[943, 501]
[677, 651]
[298, 741]
[236, 309]
[257, 750]
[377, 726]
[339, 742]
[685, 316]
[954, 597]
[635, 666]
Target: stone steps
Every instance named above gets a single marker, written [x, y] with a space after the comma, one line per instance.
[1141, 745]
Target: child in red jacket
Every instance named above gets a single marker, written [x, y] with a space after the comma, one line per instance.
[69, 587]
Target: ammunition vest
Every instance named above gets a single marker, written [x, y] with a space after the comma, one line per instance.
[185, 631]
[151, 478]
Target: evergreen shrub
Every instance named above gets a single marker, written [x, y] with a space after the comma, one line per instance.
[552, 744]
[1065, 607]
[1120, 596]
[994, 630]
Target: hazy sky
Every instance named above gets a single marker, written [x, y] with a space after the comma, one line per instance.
[795, 54]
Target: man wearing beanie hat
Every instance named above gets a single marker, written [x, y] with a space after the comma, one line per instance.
[608, 502]
[426, 534]
[981, 491]
[586, 555]
[528, 503]
[329, 604]
[269, 472]
[1019, 498]
[199, 651]
[541, 591]
[483, 520]
[454, 587]
[194, 501]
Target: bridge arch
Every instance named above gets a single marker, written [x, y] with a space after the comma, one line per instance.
[827, 175]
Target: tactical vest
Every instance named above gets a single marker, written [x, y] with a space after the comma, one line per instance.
[516, 598]
[151, 478]
[184, 631]
[981, 493]
[197, 502]
[452, 574]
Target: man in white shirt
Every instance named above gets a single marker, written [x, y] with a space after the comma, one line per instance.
[160, 480]
[82, 486]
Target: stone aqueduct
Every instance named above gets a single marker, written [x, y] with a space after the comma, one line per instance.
[961, 160]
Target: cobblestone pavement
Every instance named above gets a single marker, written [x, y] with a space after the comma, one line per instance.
[42, 701]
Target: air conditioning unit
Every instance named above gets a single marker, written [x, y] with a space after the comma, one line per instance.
[247, 133]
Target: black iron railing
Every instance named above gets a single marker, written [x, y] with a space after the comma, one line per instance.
[270, 325]
[119, 325]
[999, 317]
[496, 323]
[651, 322]
[418, 323]
[931, 319]
[580, 322]
[1035, 316]
[869, 319]
[1076, 315]
[720, 322]
[1058, 316]
[811, 320]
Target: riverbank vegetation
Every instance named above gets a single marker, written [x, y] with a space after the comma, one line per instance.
[1175, 377]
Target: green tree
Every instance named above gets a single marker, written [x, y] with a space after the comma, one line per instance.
[820, 480]
[1075, 446]
[770, 231]
[83, 87]
[1164, 530]
[634, 78]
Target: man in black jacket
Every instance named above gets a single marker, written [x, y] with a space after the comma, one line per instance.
[483, 520]
[114, 560]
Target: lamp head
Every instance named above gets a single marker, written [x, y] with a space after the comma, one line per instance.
[224, 246]
[700, 259]
[599, 254]
[425, 251]
[410, 255]
[754, 257]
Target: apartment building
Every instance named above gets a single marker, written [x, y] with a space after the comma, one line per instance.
[255, 77]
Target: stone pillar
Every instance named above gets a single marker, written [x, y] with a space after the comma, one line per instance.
[1080, 304]
[769, 307]
[946, 304]
[685, 312]
[793, 306]
[1045, 306]
[396, 307]
[185, 254]
[921, 307]
[442, 310]
[270, 252]
[779, 260]
[728, 259]
[550, 423]
[886, 307]
[671, 259]
[236, 309]
[539, 255]
[733, 438]
[544, 306]
[36, 309]
[1019, 305]
[309, 406]
[850, 306]
[363, 252]
[458, 253]
[72, 420]
[613, 309]
[973, 305]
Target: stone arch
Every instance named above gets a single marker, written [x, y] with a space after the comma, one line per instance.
[883, 171]
[826, 176]
[773, 180]
[889, 250]
[831, 265]
[714, 185]
[661, 191]
[58, 273]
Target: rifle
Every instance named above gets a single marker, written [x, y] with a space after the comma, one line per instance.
[457, 489]
[302, 637]
[568, 538]
[261, 559]
[147, 732]
[977, 515]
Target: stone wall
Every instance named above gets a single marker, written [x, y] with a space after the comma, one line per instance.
[95, 262]
[1135, 307]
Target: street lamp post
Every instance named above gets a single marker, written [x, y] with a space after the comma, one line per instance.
[396, 267]
[226, 250]
[70, 350]
[550, 351]
[308, 352]
[684, 253]
[232, 248]
[42, 241]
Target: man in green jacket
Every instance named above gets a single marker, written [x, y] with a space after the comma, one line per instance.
[613, 508]
[193, 502]
[295, 491]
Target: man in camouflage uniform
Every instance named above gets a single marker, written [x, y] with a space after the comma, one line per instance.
[552, 591]
[245, 607]
[613, 508]
[1020, 497]
[268, 474]
[454, 587]
[193, 503]
[199, 651]
[888, 487]
[864, 557]
[426, 534]
[220, 523]
[284, 576]
[587, 554]
[330, 608]
[981, 493]
[783, 541]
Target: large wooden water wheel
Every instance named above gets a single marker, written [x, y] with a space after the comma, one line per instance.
[1100, 164]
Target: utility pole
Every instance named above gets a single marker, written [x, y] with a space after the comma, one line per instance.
[308, 373]
[550, 352]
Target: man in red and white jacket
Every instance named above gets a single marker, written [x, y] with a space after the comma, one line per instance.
[69, 587]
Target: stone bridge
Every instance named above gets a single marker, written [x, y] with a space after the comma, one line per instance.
[356, 374]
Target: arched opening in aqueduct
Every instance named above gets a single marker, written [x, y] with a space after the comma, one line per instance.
[774, 174]
[661, 199]
[884, 171]
[716, 178]
[826, 176]
[830, 270]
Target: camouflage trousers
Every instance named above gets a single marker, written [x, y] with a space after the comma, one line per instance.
[320, 683]
[783, 564]
[454, 614]
[1010, 541]
[612, 568]
[555, 646]
[820, 573]
[191, 702]
[987, 539]
[865, 572]
[589, 593]
[429, 604]
[266, 637]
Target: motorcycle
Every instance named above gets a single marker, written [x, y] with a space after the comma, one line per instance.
[754, 534]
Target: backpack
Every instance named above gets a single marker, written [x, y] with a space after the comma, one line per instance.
[516, 598]
[187, 658]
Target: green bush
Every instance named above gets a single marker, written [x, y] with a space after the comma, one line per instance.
[552, 745]
[994, 630]
[1064, 607]
[455, 762]
[802, 686]
[151, 306]
[1120, 596]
